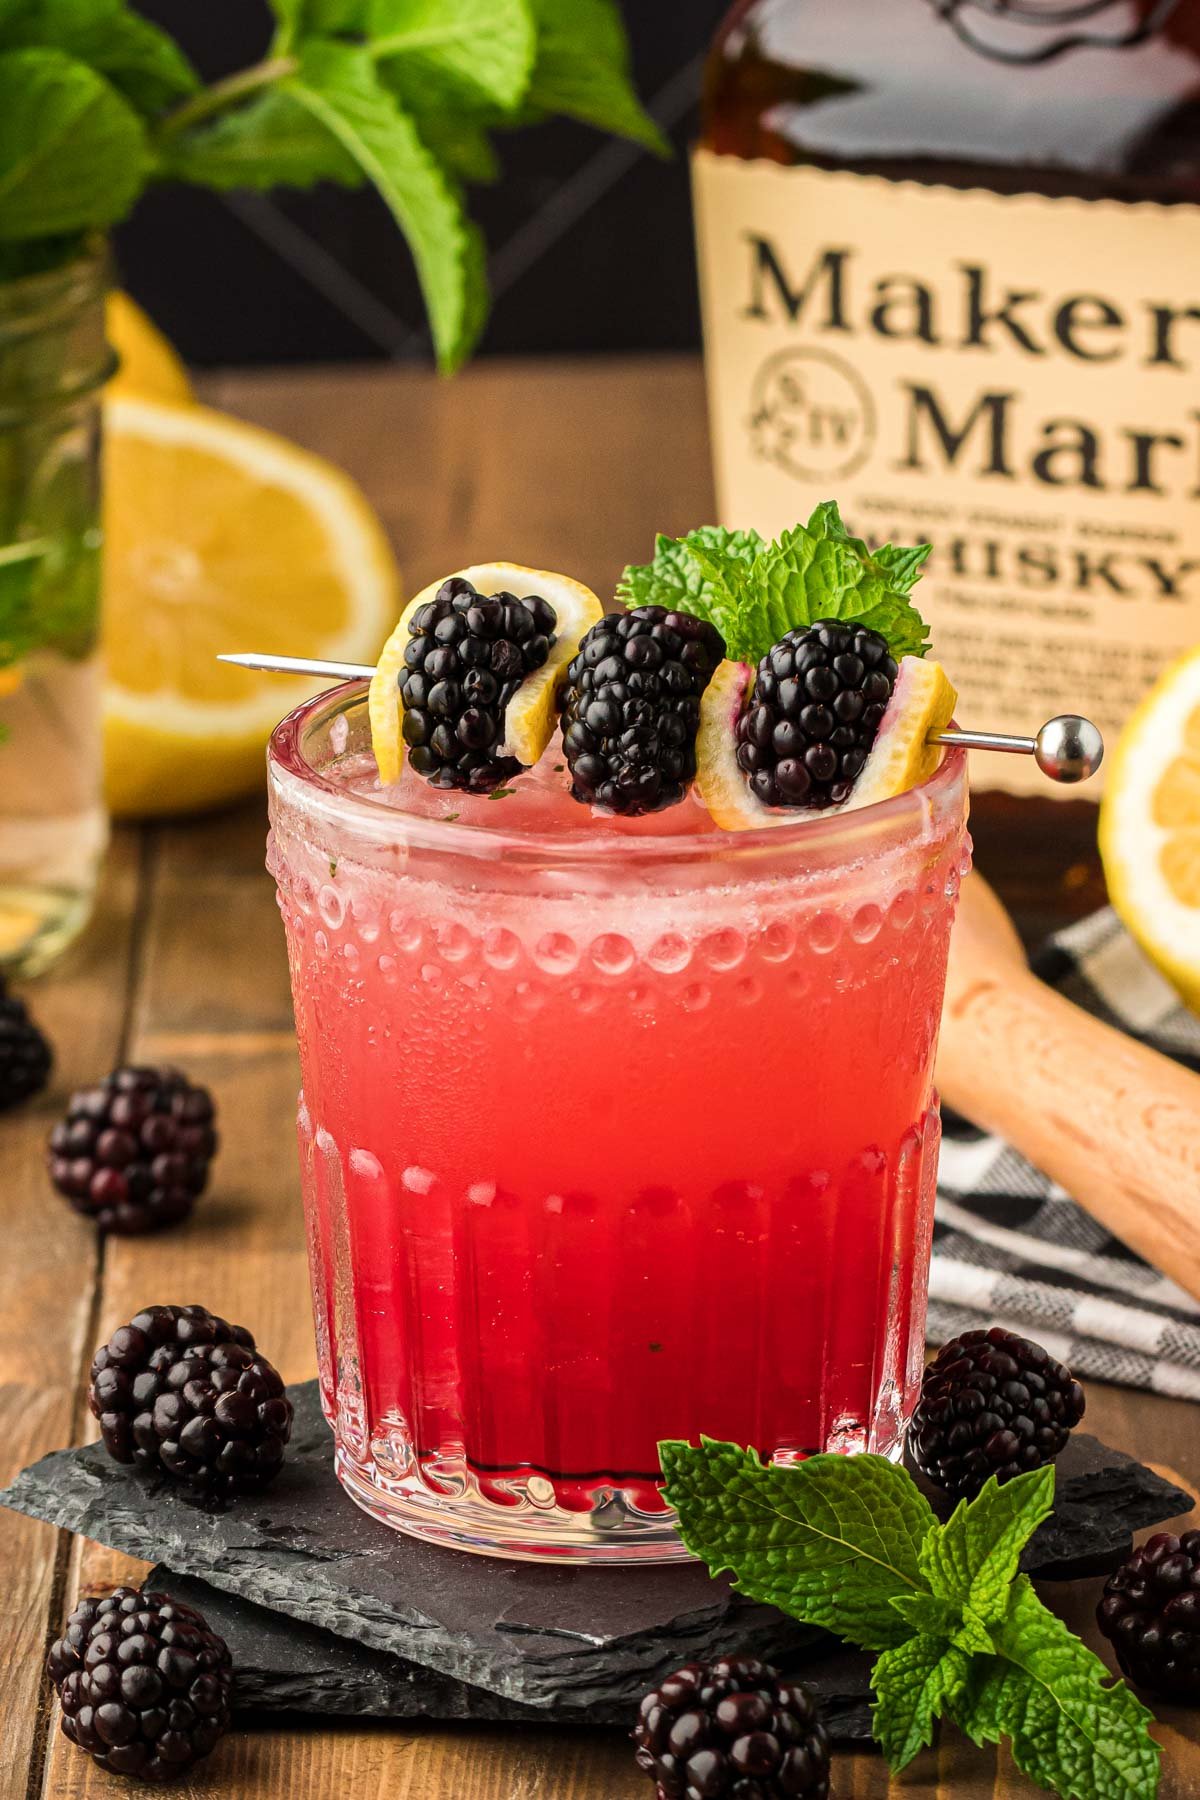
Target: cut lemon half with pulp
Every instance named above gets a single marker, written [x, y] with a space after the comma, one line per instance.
[532, 714]
[1150, 826]
[219, 535]
[922, 702]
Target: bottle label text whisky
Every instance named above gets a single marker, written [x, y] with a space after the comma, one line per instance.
[1012, 376]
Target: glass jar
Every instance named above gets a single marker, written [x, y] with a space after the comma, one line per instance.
[54, 360]
[605, 1138]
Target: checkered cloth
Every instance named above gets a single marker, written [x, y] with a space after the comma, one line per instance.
[1012, 1248]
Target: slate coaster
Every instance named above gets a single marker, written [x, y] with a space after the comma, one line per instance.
[281, 1666]
[567, 1641]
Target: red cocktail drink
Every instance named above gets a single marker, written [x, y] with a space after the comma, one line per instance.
[611, 1131]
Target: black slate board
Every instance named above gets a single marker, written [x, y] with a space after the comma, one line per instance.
[281, 1666]
[572, 1643]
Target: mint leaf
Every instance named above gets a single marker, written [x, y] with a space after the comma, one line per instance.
[72, 152]
[139, 59]
[804, 577]
[830, 1541]
[914, 1683]
[339, 86]
[931, 1614]
[703, 573]
[903, 564]
[317, 18]
[486, 46]
[453, 121]
[272, 141]
[1072, 1728]
[582, 69]
[973, 1558]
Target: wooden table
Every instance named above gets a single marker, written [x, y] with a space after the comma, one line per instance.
[563, 465]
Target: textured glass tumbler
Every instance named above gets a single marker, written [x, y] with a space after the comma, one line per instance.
[605, 1140]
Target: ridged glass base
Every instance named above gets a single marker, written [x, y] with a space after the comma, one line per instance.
[531, 1528]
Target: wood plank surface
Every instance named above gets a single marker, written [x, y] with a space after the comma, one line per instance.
[575, 467]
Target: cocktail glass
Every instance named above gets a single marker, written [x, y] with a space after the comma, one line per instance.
[610, 1132]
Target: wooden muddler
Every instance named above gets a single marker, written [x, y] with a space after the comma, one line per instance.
[1115, 1123]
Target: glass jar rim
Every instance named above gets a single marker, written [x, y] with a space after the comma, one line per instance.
[913, 813]
[83, 275]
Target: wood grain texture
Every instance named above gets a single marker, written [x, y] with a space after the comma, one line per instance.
[47, 1285]
[573, 466]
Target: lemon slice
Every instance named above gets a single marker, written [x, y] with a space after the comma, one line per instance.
[218, 536]
[1150, 826]
[532, 713]
[149, 367]
[720, 783]
[922, 701]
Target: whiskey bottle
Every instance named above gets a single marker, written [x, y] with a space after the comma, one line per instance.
[950, 266]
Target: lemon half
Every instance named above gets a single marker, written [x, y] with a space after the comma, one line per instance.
[532, 713]
[1150, 826]
[221, 536]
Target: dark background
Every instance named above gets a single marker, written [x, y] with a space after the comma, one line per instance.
[589, 239]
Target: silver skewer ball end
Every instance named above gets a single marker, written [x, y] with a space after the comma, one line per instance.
[1069, 748]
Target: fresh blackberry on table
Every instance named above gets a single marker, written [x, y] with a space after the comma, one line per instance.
[467, 656]
[991, 1403]
[818, 699]
[732, 1728]
[25, 1056]
[181, 1393]
[144, 1684]
[631, 708]
[133, 1152]
[1150, 1612]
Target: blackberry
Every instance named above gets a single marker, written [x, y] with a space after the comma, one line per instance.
[144, 1684]
[733, 1727]
[25, 1056]
[467, 656]
[179, 1392]
[1150, 1612]
[632, 708]
[818, 699]
[991, 1403]
[133, 1153]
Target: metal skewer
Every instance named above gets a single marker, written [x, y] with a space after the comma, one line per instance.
[1068, 748]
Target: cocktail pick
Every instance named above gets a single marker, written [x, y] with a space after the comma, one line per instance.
[1068, 748]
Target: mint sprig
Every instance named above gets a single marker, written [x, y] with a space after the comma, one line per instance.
[852, 1545]
[97, 103]
[754, 592]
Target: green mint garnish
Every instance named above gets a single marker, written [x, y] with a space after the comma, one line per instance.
[703, 573]
[754, 592]
[852, 1545]
[97, 103]
[499, 793]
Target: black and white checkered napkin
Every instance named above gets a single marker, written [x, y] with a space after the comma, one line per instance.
[1012, 1248]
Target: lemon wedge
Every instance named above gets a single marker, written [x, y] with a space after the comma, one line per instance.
[1150, 826]
[220, 535]
[720, 783]
[923, 701]
[532, 713]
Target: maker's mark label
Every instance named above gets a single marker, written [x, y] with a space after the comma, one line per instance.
[1014, 379]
